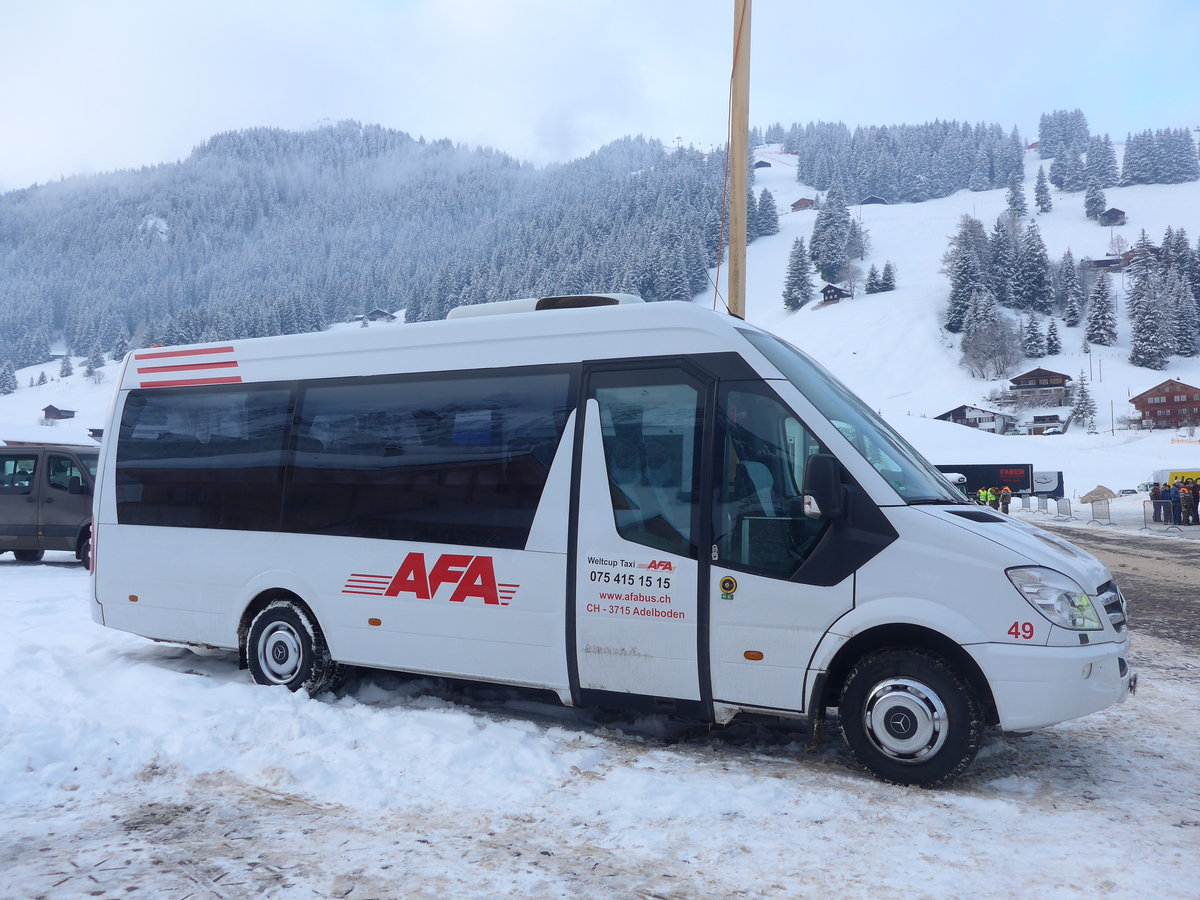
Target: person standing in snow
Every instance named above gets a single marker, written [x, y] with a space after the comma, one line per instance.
[1005, 499]
[1156, 499]
[983, 492]
[993, 497]
[1176, 503]
[1187, 501]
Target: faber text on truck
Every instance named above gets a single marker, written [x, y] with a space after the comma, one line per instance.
[621, 502]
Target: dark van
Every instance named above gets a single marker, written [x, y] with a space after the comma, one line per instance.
[46, 500]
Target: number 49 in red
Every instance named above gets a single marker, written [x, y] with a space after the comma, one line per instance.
[1022, 630]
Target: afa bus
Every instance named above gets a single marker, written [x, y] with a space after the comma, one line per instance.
[616, 501]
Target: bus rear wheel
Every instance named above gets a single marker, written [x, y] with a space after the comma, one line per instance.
[910, 718]
[29, 555]
[286, 647]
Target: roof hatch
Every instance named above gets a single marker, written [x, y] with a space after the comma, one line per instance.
[532, 304]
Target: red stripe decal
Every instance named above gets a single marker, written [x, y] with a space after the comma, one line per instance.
[188, 367]
[235, 379]
[168, 354]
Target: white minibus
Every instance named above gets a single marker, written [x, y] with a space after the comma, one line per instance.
[621, 502]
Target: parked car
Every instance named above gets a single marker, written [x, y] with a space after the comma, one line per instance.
[1054, 430]
[1126, 492]
[46, 500]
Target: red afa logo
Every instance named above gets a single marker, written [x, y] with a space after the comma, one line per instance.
[658, 565]
[473, 577]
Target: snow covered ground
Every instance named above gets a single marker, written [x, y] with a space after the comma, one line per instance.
[131, 768]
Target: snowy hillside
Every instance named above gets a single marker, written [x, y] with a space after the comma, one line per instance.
[889, 347]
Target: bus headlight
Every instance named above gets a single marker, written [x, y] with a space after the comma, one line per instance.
[1056, 597]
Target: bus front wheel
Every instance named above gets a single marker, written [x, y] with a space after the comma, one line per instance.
[910, 718]
[285, 646]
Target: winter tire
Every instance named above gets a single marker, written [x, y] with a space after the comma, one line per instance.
[910, 718]
[285, 646]
[29, 555]
[85, 553]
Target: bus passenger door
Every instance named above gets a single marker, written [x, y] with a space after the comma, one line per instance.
[772, 596]
[637, 528]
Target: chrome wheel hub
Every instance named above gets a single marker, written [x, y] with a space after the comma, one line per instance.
[280, 652]
[905, 719]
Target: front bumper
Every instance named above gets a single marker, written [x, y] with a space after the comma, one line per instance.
[1038, 686]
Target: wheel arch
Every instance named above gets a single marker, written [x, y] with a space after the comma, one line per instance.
[902, 636]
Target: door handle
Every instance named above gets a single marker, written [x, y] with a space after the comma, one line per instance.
[49, 499]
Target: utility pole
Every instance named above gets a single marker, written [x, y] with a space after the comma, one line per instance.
[739, 156]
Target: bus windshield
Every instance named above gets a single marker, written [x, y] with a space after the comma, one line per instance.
[889, 454]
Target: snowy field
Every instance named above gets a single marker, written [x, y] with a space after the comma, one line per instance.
[135, 769]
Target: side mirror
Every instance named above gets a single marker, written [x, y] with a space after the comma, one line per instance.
[75, 486]
[822, 487]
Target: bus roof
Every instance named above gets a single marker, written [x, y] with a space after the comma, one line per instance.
[531, 337]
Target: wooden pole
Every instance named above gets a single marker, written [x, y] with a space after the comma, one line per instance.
[739, 156]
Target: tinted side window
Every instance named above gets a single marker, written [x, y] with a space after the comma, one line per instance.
[651, 423]
[203, 458]
[758, 517]
[456, 460]
[16, 474]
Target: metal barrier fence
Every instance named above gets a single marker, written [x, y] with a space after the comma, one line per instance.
[1158, 515]
[1063, 510]
[1101, 513]
[1043, 505]
[1026, 502]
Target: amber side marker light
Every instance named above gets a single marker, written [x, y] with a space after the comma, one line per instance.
[133, 598]
[375, 622]
[753, 654]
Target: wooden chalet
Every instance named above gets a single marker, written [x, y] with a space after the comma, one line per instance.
[867, 201]
[1112, 216]
[832, 293]
[976, 417]
[1106, 263]
[53, 413]
[1170, 404]
[803, 203]
[762, 164]
[1040, 387]
[1039, 379]
[377, 315]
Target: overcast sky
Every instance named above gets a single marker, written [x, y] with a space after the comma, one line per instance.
[90, 87]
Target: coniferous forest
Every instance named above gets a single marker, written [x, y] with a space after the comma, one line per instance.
[265, 232]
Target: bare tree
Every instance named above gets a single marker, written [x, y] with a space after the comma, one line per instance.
[992, 352]
[852, 277]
